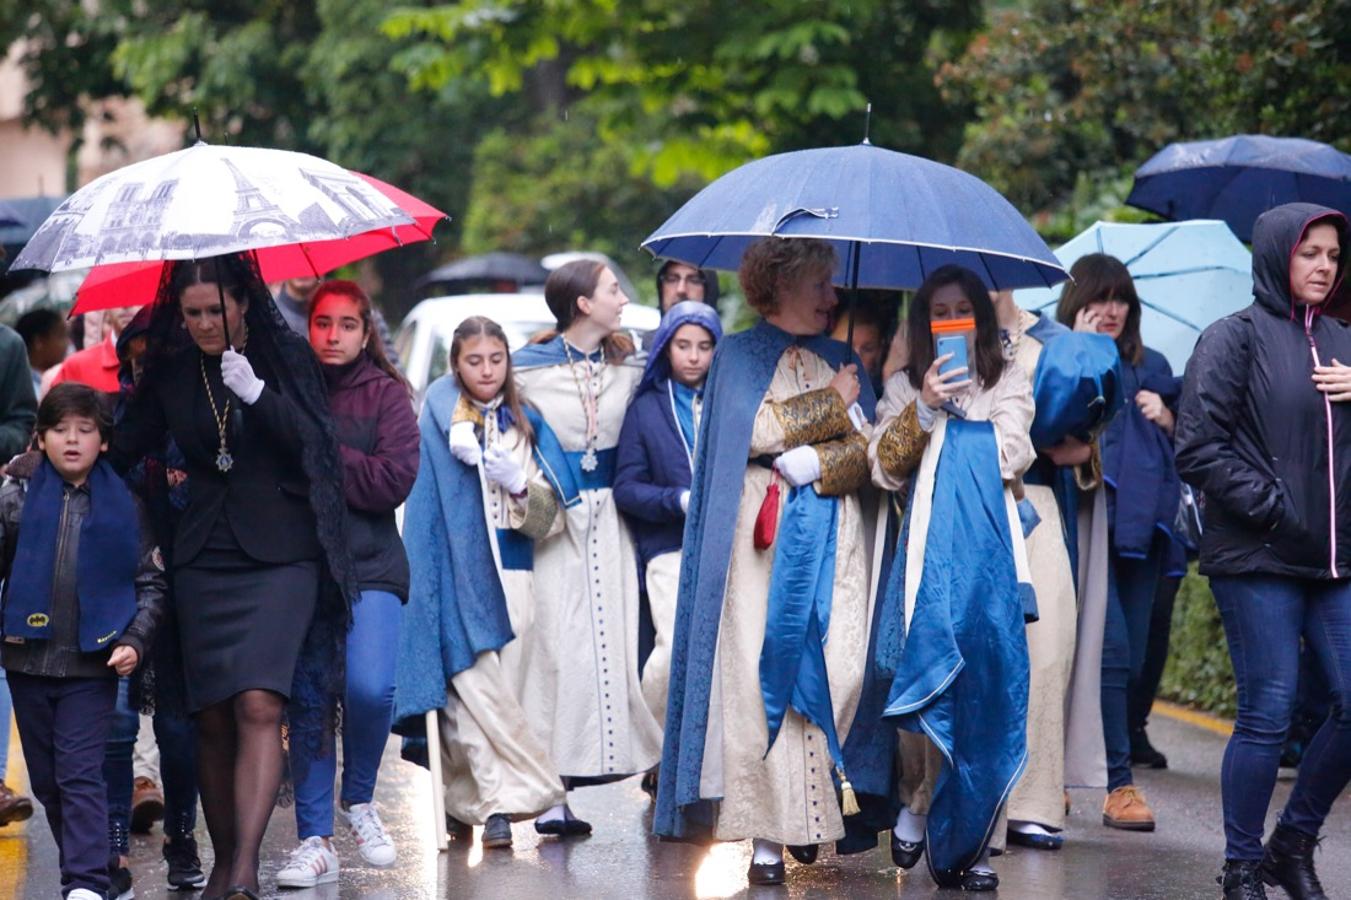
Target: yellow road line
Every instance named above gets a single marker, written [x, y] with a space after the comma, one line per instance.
[14, 838]
[1194, 717]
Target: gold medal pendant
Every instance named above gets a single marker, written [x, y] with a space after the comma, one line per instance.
[224, 461]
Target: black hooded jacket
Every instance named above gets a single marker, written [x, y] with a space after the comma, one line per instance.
[1253, 431]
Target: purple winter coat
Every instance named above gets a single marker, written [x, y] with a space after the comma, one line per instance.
[378, 439]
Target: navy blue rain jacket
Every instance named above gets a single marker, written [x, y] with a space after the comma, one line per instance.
[652, 470]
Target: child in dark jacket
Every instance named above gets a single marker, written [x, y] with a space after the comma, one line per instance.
[83, 596]
[654, 466]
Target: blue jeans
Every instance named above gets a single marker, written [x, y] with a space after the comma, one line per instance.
[117, 774]
[1130, 600]
[372, 646]
[6, 706]
[1264, 617]
[176, 735]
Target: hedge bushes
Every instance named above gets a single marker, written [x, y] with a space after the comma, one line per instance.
[1198, 673]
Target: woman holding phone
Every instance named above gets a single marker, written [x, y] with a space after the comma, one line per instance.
[1143, 493]
[953, 442]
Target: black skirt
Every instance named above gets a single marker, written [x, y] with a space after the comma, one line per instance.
[241, 623]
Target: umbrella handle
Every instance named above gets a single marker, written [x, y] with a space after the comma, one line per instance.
[220, 291]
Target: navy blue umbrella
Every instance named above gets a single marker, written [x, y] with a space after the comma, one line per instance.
[892, 218]
[1236, 179]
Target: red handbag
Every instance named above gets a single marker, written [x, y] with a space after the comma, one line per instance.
[767, 521]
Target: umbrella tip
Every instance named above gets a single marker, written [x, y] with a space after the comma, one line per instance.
[867, 122]
[197, 125]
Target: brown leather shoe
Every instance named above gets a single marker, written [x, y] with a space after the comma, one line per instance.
[1125, 808]
[147, 805]
[13, 807]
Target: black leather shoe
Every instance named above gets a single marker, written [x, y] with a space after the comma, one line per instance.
[904, 853]
[1242, 881]
[1288, 864]
[567, 827]
[765, 873]
[804, 854]
[980, 881]
[497, 831]
[1143, 752]
[457, 830]
[1035, 841]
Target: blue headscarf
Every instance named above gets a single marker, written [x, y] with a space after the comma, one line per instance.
[686, 312]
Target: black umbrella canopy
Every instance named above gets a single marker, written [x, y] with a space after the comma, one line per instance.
[498, 272]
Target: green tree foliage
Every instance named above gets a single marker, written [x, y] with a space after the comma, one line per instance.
[563, 188]
[1060, 89]
[695, 88]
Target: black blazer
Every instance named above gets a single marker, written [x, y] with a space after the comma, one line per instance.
[265, 495]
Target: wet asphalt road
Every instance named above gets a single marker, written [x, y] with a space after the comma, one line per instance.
[621, 860]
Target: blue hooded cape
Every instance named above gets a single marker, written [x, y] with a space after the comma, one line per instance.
[743, 367]
[1077, 390]
[959, 672]
[456, 608]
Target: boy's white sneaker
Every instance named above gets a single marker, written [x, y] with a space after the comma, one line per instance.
[310, 864]
[369, 832]
[83, 894]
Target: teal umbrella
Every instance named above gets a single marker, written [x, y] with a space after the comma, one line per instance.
[1188, 275]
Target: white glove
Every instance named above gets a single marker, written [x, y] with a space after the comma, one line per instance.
[685, 501]
[464, 443]
[500, 468]
[858, 417]
[799, 466]
[238, 376]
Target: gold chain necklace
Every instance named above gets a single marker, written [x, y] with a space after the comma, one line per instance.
[590, 406]
[224, 461]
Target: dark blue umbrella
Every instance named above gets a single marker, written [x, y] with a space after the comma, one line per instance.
[892, 218]
[1236, 179]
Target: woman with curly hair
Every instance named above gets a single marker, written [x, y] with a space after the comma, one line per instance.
[773, 605]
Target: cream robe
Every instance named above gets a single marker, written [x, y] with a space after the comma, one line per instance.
[1039, 796]
[581, 688]
[493, 760]
[787, 796]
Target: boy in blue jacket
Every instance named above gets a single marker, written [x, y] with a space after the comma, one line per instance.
[83, 595]
[655, 463]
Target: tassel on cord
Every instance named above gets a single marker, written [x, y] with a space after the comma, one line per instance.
[848, 799]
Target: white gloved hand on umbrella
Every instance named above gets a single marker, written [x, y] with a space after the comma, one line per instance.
[238, 376]
[799, 466]
[464, 443]
[500, 468]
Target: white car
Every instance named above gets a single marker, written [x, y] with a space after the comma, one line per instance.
[423, 341]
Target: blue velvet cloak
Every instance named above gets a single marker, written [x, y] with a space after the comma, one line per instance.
[743, 367]
[456, 608]
[961, 667]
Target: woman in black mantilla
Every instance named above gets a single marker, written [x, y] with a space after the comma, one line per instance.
[262, 577]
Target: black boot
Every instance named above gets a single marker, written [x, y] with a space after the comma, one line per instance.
[1288, 863]
[1143, 752]
[1242, 880]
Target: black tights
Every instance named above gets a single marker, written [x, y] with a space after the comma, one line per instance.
[239, 769]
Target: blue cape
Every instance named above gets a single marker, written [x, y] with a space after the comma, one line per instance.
[1138, 464]
[961, 668]
[456, 608]
[1077, 390]
[743, 367]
